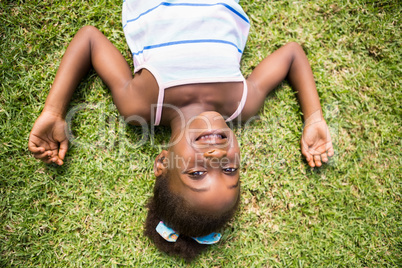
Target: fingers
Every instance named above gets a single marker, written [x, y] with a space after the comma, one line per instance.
[34, 148]
[324, 157]
[310, 160]
[47, 140]
[57, 161]
[50, 156]
[59, 157]
[46, 157]
[317, 160]
[331, 150]
[43, 156]
[309, 157]
[314, 157]
[38, 150]
[63, 149]
[54, 157]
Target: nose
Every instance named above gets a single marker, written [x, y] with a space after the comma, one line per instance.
[215, 153]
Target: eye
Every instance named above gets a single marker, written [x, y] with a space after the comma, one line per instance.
[230, 170]
[196, 174]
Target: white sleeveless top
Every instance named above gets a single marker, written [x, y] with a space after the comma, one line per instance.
[187, 41]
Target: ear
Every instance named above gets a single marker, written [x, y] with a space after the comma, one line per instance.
[160, 166]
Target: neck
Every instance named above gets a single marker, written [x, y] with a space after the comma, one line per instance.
[181, 117]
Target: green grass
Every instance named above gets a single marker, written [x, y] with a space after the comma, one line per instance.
[90, 212]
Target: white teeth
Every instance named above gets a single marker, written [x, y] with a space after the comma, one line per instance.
[211, 136]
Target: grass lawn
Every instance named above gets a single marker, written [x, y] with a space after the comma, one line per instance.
[90, 211]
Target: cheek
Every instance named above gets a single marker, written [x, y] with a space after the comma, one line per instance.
[234, 149]
[180, 160]
[175, 183]
[234, 156]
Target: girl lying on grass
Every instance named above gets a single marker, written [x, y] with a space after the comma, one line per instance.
[187, 73]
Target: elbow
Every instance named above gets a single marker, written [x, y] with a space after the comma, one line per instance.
[296, 50]
[295, 47]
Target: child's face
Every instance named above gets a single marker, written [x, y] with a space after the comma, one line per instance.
[204, 163]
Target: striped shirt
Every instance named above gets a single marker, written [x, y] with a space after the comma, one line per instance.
[186, 41]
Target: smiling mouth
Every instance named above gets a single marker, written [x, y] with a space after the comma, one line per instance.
[208, 137]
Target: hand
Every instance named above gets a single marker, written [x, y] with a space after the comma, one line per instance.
[316, 144]
[47, 140]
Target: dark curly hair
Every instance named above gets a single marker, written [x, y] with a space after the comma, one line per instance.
[174, 211]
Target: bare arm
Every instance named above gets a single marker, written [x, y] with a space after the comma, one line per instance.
[89, 48]
[290, 62]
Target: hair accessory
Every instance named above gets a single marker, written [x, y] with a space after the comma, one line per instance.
[210, 239]
[170, 235]
[167, 233]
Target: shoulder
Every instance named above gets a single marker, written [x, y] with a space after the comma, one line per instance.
[135, 100]
[255, 99]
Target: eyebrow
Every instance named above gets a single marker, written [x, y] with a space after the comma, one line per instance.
[198, 190]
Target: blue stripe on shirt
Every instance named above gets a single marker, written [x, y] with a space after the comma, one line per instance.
[187, 42]
[189, 4]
